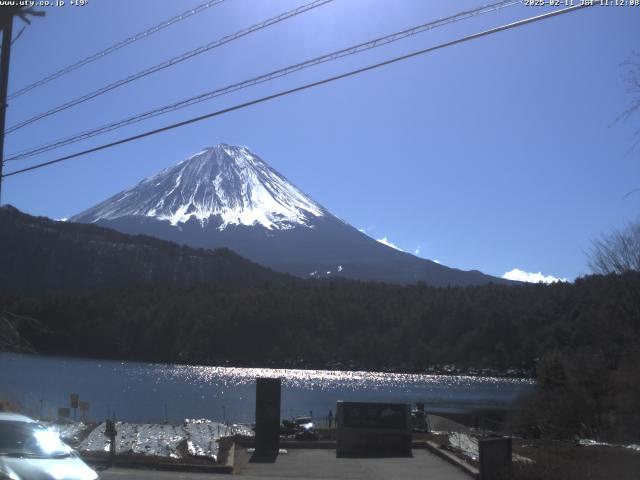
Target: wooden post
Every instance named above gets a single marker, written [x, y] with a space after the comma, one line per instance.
[4, 84]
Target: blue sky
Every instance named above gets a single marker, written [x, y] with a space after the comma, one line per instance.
[497, 154]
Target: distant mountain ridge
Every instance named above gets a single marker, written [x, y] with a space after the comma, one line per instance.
[39, 255]
[226, 196]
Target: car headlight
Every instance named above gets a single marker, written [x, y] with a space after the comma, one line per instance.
[7, 474]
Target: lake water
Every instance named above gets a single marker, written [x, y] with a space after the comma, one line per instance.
[136, 391]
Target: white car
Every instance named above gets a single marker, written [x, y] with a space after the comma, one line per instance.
[31, 451]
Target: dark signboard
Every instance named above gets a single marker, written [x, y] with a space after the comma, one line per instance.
[75, 398]
[267, 415]
[374, 415]
[64, 412]
[373, 429]
[495, 458]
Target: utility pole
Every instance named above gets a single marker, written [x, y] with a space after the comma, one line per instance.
[6, 23]
[7, 31]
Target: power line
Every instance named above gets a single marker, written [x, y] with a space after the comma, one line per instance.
[377, 42]
[307, 86]
[171, 62]
[102, 53]
[15, 39]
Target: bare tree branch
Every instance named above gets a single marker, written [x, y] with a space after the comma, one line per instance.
[12, 337]
[618, 252]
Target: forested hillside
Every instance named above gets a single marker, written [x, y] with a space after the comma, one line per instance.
[365, 325]
[39, 255]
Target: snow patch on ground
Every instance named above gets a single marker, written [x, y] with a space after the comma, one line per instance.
[587, 442]
[69, 432]
[468, 446]
[196, 438]
[519, 458]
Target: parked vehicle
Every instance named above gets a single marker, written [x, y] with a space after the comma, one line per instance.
[288, 428]
[305, 428]
[302, 427]
[30, 450]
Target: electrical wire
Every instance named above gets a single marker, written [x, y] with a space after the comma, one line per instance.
[307, 86]
[380, 41]
[102, 53]
[15, 39]
[170, 63]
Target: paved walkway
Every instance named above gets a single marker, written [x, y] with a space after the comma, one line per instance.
[141, 474]
[322, 464]
[314, 464]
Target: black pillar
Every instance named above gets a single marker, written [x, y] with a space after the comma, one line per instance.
[267, 418]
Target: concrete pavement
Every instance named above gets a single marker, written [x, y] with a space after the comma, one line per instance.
[315, 464]
[142, 474]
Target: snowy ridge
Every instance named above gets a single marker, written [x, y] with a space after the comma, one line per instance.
[228, 183]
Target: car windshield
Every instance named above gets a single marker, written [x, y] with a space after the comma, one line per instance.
[30, 440]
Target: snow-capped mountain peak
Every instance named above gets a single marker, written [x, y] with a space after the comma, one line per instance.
[227, 197]
[226, 184]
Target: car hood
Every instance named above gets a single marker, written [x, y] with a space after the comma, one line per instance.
[71, 468]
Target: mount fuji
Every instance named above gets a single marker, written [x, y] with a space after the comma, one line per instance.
[226, 196]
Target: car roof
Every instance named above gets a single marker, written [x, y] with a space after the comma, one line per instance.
[15, 417]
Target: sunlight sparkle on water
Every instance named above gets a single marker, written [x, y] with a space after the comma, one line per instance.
[325, 379]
